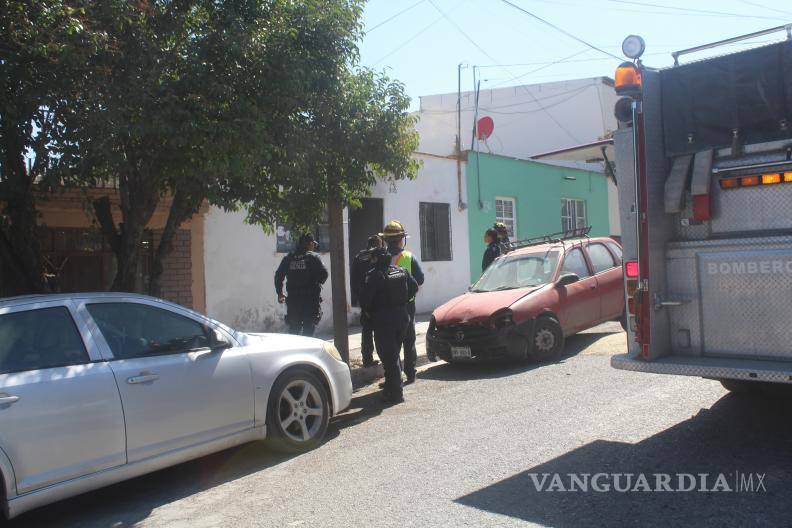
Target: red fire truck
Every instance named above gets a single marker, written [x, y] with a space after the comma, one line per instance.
[704, 170]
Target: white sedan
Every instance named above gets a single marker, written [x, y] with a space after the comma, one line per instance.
[99, 388]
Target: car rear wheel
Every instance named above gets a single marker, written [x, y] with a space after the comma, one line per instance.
[548, 340]
[298, 412]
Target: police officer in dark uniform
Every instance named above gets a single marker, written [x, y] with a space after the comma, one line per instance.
[396, 238]
[503, 237]
[304, 273]
[361, 265]
[385, 295]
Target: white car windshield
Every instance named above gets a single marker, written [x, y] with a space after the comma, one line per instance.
[518, 271]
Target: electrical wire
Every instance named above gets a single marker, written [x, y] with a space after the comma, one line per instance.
[690, 9]
[766, 7]
[416, 4]
[460, 30]
[560, 30]
[540, 68]
[415, 36]
[679, 11]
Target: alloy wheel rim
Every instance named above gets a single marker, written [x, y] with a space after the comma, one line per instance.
[300, 411]
[545, 340]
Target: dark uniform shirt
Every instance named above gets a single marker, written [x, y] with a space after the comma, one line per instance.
[361, 265]
[385, 294]
[505, 245]
[304, 273]
[416, 270]
[492, 252]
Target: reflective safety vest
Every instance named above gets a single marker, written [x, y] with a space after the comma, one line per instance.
[404, 260]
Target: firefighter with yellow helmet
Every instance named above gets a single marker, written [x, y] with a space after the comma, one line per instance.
[395, 239]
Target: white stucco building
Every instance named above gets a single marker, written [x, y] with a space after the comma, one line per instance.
[240, 259]
[529, 120]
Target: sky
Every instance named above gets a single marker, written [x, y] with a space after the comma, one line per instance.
[421, 42]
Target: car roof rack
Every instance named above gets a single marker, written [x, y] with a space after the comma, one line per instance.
[548, 239]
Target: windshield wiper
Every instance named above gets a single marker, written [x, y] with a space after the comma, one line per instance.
[502, 288]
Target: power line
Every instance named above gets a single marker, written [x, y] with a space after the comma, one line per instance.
[460, 30]
[767, 7]
[559, 61]
[567, 33]
[690, 9]
[415, 36]
[416, 4]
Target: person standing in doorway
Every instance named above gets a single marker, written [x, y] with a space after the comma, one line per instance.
[304, 273]
[493, 250]
[395, 239]
[361, 265]
[385, 295]
[503, 237]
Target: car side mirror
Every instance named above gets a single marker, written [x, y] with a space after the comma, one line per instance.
[566, 279]
[219, 341]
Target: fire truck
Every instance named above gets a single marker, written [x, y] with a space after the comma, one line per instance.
[704, 171]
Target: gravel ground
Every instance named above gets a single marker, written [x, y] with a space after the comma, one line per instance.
[462, 450]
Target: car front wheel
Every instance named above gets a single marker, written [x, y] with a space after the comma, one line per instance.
[298, 412]
[548, 340]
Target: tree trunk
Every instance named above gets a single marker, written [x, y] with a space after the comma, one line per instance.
[182, 207]
[21, 252]
[338, 276]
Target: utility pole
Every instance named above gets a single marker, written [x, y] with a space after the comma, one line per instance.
[335, 210]
[460, 204]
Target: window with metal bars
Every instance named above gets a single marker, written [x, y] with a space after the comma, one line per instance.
[435, 220]
[573, 214]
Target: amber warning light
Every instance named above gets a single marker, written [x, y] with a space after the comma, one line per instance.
[627, 80]
[756, 180]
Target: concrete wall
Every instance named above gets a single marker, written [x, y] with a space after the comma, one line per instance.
[529, 119]
[436, 182]
[240, 262]
[240, 259]
[537, 189]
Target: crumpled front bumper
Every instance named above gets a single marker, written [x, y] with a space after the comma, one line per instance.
[486, 343]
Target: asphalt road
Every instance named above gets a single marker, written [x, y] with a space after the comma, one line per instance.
[461, 451]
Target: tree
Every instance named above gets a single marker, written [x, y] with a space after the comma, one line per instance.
[45, 50]
[355, 133]
[198, 98]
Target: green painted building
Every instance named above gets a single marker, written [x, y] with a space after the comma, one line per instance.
[532, 199]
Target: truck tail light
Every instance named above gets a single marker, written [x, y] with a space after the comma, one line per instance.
[702, 207]
[631, 270]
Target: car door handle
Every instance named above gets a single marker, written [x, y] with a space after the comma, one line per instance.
[7, 400]
[142, 378]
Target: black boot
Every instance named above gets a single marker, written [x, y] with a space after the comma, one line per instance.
[392, 397]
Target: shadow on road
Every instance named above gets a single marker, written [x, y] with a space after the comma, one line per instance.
[132, 501]
[573, 346]
[746, 434]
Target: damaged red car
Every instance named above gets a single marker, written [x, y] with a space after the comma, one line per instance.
[529, 300]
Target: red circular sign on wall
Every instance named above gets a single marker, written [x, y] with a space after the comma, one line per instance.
[485, 127]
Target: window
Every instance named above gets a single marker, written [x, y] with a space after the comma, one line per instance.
[505, 212]
[601, 258]
[40, 339]
[136, 330]
[617, 250]
[575, 263]
[518, 271]
[573, 214]
[287, 237]
[435, 220]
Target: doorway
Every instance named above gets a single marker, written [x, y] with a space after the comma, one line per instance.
[363, 222]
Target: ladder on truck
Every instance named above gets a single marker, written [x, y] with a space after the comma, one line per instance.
[579, 232]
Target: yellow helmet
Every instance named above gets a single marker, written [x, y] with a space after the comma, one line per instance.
[393, 229]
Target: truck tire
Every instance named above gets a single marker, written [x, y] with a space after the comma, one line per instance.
[741, 386]
[547, 343]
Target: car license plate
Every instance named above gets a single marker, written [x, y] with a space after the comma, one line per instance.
[460, 352]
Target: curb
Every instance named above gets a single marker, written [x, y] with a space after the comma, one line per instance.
[362, 376]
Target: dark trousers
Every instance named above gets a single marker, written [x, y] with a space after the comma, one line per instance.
[410, 355]
[302, 315]
[367, 344]
[388, 338]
